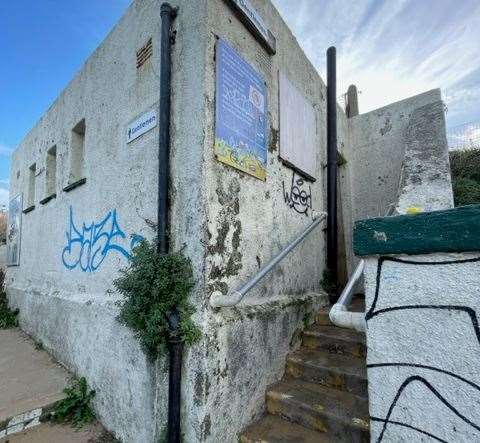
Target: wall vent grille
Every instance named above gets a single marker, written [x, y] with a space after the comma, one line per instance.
[144, 53]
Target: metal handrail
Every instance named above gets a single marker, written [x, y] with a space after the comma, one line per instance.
[218, 300]
[347, 293]
[339, 314]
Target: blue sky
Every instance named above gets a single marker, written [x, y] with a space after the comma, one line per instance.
[43, 43]
[390, 49]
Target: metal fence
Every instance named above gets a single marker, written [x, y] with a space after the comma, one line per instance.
[466, 136]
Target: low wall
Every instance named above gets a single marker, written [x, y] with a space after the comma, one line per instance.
[398, 152]
[422, 301]
[243, 352]
[82, 333]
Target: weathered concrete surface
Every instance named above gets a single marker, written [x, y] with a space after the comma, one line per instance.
[92, 343]
[423, 345]
[30, 379]
[249, 220]
[246, 223]
[408, 136]
[425, 180]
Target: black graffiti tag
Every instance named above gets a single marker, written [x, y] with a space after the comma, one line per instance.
[298, 197]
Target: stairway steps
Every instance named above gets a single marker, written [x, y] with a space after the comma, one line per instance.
[335, 340]
[322, 318]
[272, 429]
[342, 372]
[341, 415]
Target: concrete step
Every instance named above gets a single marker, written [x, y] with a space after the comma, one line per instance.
[31, 382]
[341, 415]
[322, 319]
[273, 429]
[335, 340]
[342, 372]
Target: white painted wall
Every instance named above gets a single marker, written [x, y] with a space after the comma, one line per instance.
[423, 364]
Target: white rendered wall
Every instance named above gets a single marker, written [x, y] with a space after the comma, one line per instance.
[423, 340]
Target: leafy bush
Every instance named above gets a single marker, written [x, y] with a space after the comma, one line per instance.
[8, 318]
[75, 408]
[153, 286]
[466, 191]
[465, 163]
[465, 167]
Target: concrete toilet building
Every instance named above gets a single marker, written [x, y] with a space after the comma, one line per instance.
[247, 176]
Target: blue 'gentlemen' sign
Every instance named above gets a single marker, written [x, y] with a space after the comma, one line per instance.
[241, 114]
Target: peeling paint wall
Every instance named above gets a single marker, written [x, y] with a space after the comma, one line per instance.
[249, 221]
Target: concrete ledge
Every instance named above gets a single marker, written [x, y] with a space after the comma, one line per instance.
[269, 306]
[452, 230]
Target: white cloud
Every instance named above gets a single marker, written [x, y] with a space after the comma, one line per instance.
[5, 150]
[394, 49]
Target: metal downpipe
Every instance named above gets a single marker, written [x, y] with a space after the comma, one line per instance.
[332, 230]
[175, 344]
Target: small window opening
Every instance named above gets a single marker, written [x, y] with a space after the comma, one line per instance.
[50, 176]
[31, 186]
[52, 171]
[77, 153]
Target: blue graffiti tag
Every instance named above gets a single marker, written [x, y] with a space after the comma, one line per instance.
[89, 246]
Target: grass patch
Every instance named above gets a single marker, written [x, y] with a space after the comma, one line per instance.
[8, 318]
[153, 285]
[75, 408]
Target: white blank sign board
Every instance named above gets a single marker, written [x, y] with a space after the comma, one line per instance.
[298, 141]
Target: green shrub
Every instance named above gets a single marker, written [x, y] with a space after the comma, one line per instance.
[466, 191]
[8, 318]
[152, 286]
[75, 408]
[465, 167]
[465, 163]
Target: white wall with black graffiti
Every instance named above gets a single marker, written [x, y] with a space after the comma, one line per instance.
[423, 347]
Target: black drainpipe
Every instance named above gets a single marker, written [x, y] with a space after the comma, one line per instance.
[175, 345]
[332, 250]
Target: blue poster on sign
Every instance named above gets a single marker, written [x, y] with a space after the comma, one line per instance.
[241, 114]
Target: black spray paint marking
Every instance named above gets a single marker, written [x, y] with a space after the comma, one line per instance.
[416, 378]
[405, 425]
[298, 197]
[372, 312]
